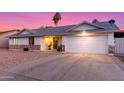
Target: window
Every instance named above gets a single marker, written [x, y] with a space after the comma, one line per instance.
[31, 40]
[15, 41]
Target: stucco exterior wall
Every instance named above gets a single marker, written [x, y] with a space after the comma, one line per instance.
[10, 41]
[111, 39]
[43, 44]
[64, 40]
[111, 43]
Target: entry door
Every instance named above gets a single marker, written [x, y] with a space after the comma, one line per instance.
[31, 40]
[55, 42]
[94, 44]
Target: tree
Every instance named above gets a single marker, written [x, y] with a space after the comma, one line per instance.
[56, 18]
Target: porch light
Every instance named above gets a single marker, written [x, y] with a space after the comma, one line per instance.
[49, 40]
[46, 39]
[84, 33]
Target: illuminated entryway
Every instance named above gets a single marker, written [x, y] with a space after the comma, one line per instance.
[50, 42]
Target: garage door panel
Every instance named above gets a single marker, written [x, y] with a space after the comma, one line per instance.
[96, 44]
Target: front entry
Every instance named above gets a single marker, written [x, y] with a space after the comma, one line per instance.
[51, 42]
[55, 42]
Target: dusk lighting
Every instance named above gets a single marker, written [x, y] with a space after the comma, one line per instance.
[84, 33]
[13, 20]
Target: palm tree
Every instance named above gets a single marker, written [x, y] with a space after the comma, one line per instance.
[56, 18]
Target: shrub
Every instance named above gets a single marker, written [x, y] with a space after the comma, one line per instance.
[25, 49]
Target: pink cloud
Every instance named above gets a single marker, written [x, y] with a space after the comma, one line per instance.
[19, 20]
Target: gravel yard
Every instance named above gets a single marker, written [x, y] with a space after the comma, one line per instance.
[10, 58]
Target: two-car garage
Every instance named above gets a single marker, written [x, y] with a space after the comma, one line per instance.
[88, 44]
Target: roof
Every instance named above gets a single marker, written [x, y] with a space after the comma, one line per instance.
[54, 30]
[106, 26]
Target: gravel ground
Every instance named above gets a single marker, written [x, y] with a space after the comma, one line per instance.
[10, 58]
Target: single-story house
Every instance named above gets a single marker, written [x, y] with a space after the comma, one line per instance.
[86, 37]
[4, 41]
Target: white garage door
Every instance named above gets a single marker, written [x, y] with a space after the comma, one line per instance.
[94, 44]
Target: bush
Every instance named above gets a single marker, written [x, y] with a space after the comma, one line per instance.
[59, 48]
[25, 49]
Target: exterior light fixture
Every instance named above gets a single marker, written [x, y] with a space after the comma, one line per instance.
[84, 33]
[46, 39]
[49, 40]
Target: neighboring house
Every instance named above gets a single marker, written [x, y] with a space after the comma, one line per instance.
[95, 37]
[4, 41]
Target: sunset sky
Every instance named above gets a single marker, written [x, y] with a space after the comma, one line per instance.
[20, 20]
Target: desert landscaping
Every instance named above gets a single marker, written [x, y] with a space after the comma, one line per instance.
[10, 58]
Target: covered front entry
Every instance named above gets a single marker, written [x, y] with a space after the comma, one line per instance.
[89, 44]
[50, 42]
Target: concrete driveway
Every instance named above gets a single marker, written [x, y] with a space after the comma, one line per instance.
[72, 67]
